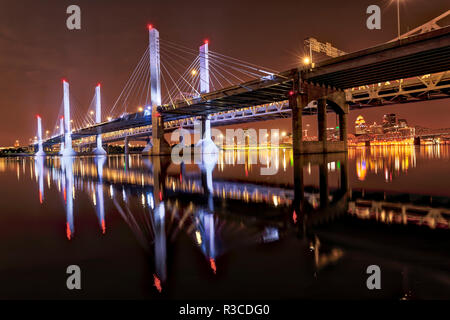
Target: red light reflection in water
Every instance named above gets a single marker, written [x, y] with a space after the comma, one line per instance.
[213, 265]
[40, 197]
[103, 226]
[157, 283]
[294, 217]
[68, 231]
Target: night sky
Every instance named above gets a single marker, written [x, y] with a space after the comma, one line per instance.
[37, 50]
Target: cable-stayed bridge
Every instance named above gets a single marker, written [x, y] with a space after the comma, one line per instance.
[162, 95]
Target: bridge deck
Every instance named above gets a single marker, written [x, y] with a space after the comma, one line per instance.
[414, 56]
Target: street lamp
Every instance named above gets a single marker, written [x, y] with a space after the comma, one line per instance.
[306, 60]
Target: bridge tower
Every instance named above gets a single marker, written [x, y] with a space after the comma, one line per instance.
[40, 151]
[68, 150]
[205, 144]
[159, 144]
[99, 151]
[61, 132]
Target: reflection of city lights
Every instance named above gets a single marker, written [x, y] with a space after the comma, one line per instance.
[157, 283]
[198, 237]
[275, 200]
[361, 170]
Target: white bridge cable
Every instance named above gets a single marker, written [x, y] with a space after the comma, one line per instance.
[181, 86]
[240, 71]
[138, 80]
[181, 76]
[180, 83]
[130, 79]
[130, 89]
[90, 115]
[213, 70]
[242, 62]
[179, 47]
[76, 114]
[164, 67]
[136, 98]
[222, 69]
[56, 129]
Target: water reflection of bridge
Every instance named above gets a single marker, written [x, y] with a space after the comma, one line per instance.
[159, 205]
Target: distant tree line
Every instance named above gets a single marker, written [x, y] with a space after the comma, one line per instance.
[120, 149]
[12, 151]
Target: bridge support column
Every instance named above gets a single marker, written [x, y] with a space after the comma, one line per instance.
[159, 144]
[343, 128]
[40, 151]
[99, 151]
[297, 101]
[148, 147]
[205, 144]
[61, 132]
[126, 146]
[68, 150]
[322, 122]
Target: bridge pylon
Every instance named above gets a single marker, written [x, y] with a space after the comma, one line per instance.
[61, 132]
[98, 151]
[205, 144]
[40, 151]
[68, 150]
[159, 145]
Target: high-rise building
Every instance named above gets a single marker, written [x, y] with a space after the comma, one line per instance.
[360, 126]
[389, 122]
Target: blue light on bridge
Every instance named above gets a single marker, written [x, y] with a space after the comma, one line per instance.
[148, 111]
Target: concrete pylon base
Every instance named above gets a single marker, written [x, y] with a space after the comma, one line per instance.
[68, 152]
[148, 149]
[160, 147]
[99, 152]
[206, 146]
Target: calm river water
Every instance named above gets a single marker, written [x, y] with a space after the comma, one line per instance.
[144, 227]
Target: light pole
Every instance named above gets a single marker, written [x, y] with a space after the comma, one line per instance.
[398, 19]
